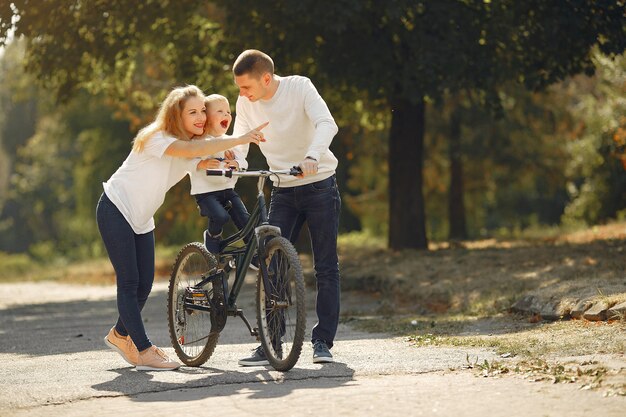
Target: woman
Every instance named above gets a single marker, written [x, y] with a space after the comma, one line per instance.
[158, 160]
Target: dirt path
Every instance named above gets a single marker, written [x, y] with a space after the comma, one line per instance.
[53, 363]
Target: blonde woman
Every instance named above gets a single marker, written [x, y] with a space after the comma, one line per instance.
[157, 161]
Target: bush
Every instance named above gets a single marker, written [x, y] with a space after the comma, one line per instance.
[14, 266]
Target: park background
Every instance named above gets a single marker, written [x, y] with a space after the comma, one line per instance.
[482, 161]
[460, 120]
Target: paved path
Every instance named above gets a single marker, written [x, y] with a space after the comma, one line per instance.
[53, 363]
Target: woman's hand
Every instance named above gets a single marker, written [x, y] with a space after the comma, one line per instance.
[210, 163]
[254, 136]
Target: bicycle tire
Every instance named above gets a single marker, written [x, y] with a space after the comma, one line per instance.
[280, 332]
[189, 329]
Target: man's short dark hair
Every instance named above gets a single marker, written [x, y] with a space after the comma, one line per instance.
[254, 63]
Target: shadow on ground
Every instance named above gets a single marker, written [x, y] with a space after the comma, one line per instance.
[275, 384]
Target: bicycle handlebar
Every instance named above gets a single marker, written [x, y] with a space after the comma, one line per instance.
[229, 173]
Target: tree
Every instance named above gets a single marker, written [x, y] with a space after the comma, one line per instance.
[404, 52]
[19, 109]
[131, 51]
[410, 52]
[596, 169]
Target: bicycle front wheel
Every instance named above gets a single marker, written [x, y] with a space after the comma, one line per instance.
[190, 329]
[281, 313]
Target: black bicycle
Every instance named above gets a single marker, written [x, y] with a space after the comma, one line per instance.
[200, 300]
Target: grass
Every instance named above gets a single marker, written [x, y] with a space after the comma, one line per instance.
[460, 296]
[558, 352]
[99, 271]
[589, 374]
[485, 277]
[513, 336]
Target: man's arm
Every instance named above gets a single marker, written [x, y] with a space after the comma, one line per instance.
[240, 127]
[325, 126]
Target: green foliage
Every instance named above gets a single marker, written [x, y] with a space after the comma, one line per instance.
[12, 265]
[425, 48]
[596, 170]
[362, 239]
[406, 51]
[112, 61]
[59, 157]
[364, 151]
[132, 52]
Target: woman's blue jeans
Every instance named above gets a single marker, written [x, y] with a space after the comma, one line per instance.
[319, 205]
[132, 256]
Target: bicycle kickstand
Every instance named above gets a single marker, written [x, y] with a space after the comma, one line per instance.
[253, 331]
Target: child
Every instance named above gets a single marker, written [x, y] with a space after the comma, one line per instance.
[216, 196]
[125, 213]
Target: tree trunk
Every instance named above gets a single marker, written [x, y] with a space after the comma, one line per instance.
[456, 205]
[407, 219]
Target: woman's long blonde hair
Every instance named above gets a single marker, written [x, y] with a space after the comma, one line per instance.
[169, 118]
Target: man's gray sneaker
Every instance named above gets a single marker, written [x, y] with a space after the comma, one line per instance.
[321, 353]
[257, 358]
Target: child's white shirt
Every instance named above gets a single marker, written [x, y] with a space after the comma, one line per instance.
[300, 126]
[202, 183]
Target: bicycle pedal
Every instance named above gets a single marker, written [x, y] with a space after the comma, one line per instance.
[197, 296]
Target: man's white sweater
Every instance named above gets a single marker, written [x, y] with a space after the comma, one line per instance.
[300, 126]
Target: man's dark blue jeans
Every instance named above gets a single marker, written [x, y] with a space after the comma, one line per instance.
[132, 256]
[319, 204]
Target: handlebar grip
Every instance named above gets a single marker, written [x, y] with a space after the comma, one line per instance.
[220, 172]
[295, 170]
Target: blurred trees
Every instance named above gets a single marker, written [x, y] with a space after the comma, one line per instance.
[493, 154]
[59, 154]
[596, 151]
[411, 53]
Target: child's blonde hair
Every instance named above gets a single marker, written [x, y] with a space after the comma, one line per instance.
[169, 118]
[212, 98]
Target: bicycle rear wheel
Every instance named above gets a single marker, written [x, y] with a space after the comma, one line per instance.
[281, 313]
[190, 330]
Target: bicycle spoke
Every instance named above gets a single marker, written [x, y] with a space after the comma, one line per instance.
[281, 313]
[190, 329]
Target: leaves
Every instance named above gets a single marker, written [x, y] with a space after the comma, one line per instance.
[373, 52]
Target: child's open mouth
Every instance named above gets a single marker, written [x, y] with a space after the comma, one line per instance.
[224, 124]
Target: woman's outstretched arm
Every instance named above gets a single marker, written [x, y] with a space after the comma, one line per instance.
[202, 147]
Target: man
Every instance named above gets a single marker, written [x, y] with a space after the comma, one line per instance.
[299, 132]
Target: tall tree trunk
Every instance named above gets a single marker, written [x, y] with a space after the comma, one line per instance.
[407, 219]
[456, 205]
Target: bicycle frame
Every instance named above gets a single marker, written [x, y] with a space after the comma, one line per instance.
[255, 231]
[243, 255]
[198, 284]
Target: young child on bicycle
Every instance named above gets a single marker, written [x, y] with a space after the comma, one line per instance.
[216, 196]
